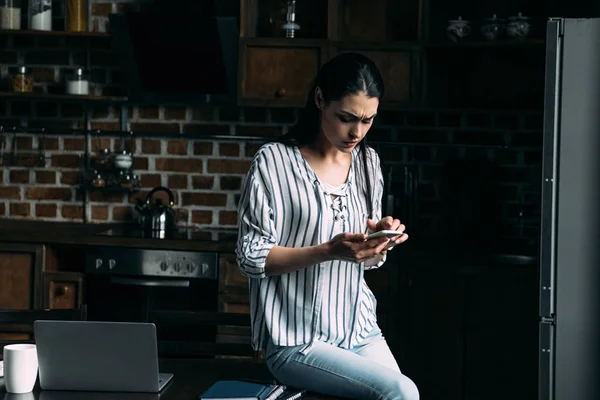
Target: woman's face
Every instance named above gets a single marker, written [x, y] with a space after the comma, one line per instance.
[345, 123]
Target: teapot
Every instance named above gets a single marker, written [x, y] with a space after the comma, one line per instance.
[157, 216]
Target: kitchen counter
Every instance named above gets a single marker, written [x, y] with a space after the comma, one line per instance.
[79, 234]
[414, 251]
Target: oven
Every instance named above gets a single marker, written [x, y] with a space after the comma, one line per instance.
[165, 287]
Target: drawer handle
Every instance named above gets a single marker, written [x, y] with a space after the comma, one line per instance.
[61, 291]
[280, 92]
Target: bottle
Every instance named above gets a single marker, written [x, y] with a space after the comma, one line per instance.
[22, 81]
[78, 83]
[40, 15]
[10, 14]
[77, 16]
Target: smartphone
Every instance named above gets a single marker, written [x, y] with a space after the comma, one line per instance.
[387, 233]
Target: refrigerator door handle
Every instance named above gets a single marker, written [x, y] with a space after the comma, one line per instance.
[549, 167]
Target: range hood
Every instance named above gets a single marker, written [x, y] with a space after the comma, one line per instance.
[182, 58]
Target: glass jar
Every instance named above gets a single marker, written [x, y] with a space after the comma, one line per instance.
[22, 81]
[10, 14]
[40, 15]
[77, 16]
[78, 83]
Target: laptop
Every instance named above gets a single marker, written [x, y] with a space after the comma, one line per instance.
[98, 356]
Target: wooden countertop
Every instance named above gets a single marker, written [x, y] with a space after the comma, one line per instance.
[79, 234]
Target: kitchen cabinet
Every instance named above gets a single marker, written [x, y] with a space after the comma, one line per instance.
[395, 65]
[469, 332]
[63, 290]
[20, 280]
[277, 73]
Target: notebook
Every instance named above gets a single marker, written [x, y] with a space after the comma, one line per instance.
[242, 390]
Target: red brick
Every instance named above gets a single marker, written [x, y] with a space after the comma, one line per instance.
[178, 114]
[258, 131]
[151, 180]
[148, 112]
[24, 142]
[74, 144]
[203, 148]
[45, 210]
[206, 129]
[217, 166]
[231, 183]
[227, 218]
[19, 176]
[49, 143]
[65, 160]
[154, 127]
[20, 209]
[10, 193]
[100, 111]
[202, 217]
[140, 163]
[48, 193]
[203, 182]
[45, 177]
[203, 199]
[69, 177]
[203, 113]
[179, 164]
[100, 144]
[122, 213]
[150, 146]
[177, 147]
[106, 197]
[99, 213]
[71, 212]
[229, 149]
[2, 209]
[178, 182]
[251, 149]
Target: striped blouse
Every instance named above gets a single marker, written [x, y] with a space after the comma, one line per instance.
[283, 203]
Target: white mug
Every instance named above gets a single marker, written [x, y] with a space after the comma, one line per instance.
[20, 367]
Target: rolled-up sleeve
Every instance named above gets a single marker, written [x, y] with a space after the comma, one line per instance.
[377, 195]
[256, 230]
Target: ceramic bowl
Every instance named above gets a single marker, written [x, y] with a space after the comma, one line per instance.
[519, 27]
[493, 28]
[458, 29]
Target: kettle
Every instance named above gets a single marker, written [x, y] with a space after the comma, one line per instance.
[157, 216]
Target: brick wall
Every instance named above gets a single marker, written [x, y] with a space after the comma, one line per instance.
[206, 175]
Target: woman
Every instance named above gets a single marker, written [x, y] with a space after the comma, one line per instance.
[306, 205]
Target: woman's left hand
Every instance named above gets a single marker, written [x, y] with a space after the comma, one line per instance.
[389, 223]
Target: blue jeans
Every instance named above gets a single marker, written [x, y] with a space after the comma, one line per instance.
[367, 371]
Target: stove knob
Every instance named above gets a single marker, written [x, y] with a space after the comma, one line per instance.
[177, 267]
[205, 268]
[164, 266]
[111, 263]
[191, 267]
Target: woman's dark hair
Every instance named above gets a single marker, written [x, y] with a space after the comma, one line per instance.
[345, 74]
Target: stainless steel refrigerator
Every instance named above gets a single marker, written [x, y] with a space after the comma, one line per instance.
[569, 357]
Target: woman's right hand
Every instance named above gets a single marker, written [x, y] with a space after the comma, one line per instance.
[354, 247]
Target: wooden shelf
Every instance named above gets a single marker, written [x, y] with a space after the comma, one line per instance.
[481, 43]
[111, 189]
[28, 32]
[61, 97]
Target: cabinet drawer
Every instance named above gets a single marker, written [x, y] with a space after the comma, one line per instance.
[277, 76]
[230, 277]
[63, 290]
